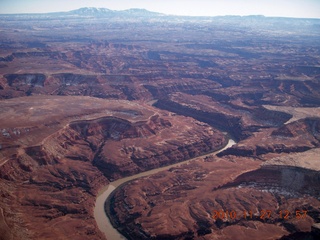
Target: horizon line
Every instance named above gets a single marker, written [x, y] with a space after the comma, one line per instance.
[163, 14]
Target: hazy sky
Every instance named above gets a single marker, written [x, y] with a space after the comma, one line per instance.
[284, 8]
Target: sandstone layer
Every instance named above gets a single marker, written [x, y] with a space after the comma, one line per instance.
[56, 156]
[259, 194]
[76, 91]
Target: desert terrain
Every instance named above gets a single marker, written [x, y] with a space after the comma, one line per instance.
[91, 96]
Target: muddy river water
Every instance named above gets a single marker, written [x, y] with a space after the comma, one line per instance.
[101, 217]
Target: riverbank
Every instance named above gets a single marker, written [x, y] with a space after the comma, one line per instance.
[103, 199]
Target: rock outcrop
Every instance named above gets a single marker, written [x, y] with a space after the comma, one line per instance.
[76, 91]
[298, 136]
[55, 161]
[221, 198]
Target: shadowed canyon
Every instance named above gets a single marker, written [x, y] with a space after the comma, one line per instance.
[88, 98]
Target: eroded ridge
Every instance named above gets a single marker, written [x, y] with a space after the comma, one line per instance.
[76, 91]
[254, 192]
[52, 166]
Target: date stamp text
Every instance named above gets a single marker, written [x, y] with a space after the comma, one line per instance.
[262, 214]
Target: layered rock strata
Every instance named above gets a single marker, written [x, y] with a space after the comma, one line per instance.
[55, 157]
[266, 194]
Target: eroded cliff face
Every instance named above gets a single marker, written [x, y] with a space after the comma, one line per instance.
[235, 117]
[55, 164]
[119, 148]
[298, 136]
[274, 192]
[262, 200]
[56, 152]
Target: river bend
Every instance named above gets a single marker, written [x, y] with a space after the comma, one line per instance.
[101, 217]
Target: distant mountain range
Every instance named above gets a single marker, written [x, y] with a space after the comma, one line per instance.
[94, 12]
[143, 14]
[106, 11]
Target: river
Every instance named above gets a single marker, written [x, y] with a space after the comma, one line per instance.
[101, 217]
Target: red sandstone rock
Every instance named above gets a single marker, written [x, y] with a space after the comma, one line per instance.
[56, 152]
[61, 155]
[182, 202]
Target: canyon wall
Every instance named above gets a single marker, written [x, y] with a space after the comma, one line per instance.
[55, 164]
